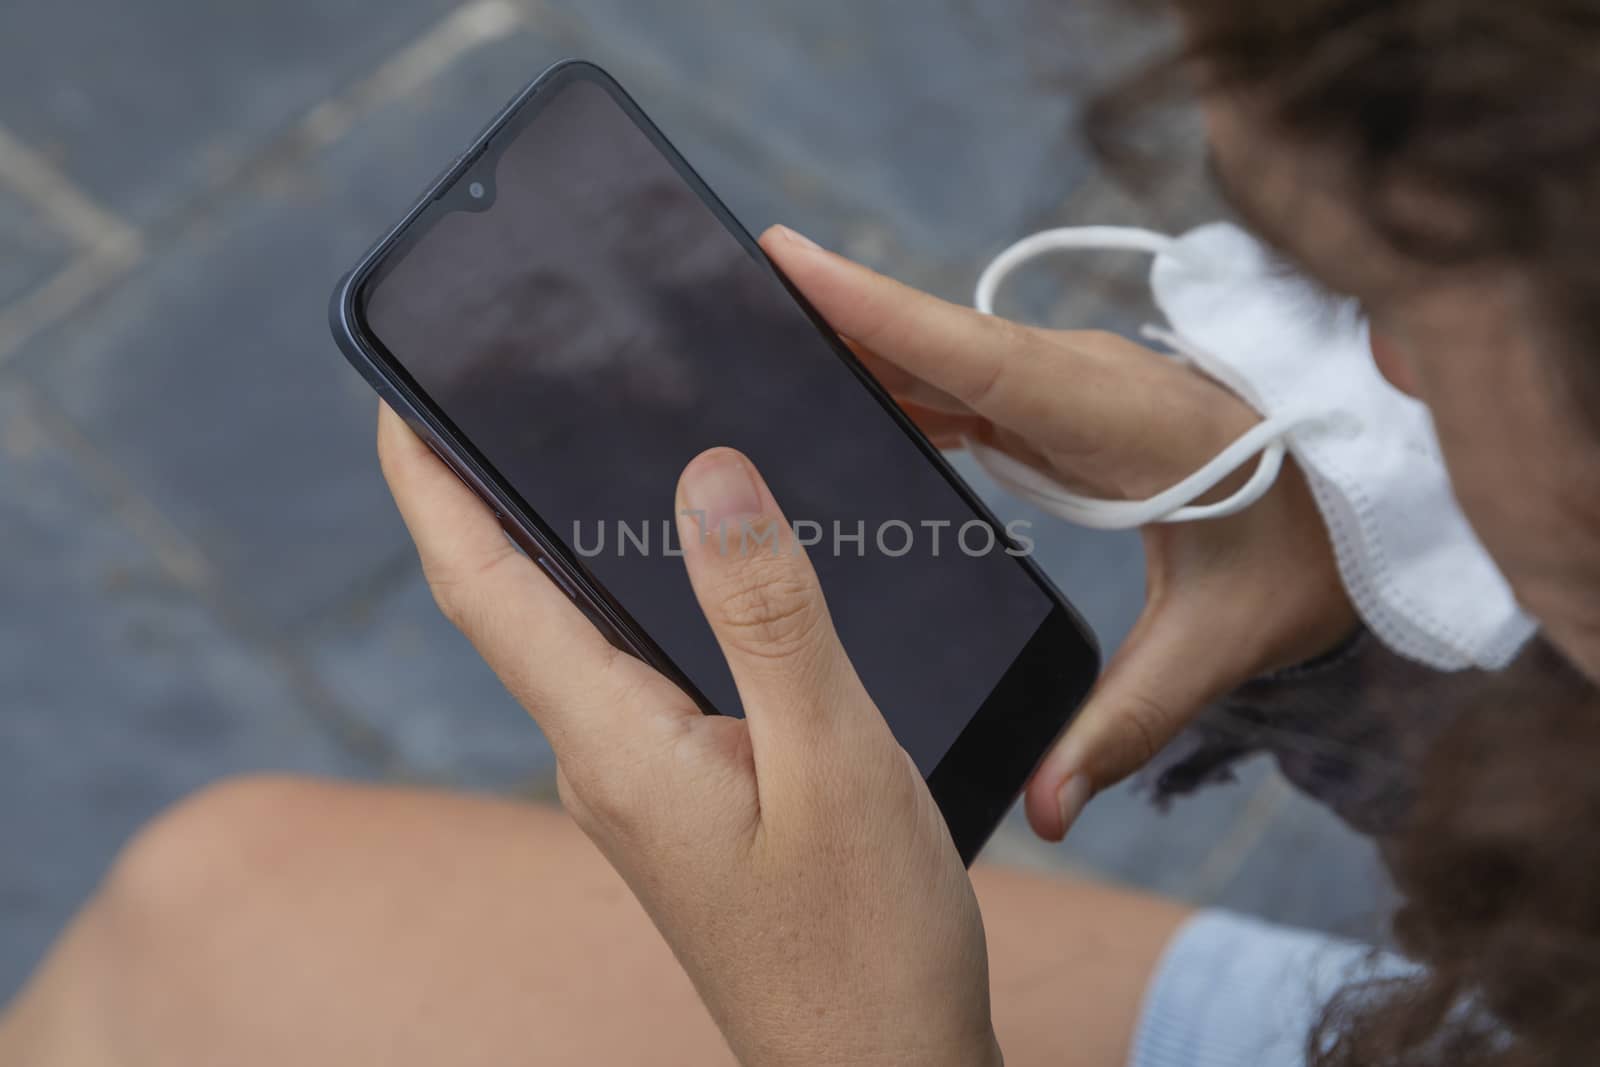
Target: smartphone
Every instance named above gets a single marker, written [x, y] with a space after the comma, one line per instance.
[569, 316]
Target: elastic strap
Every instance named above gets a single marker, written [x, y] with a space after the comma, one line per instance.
[1268, 438]
[1072, 238]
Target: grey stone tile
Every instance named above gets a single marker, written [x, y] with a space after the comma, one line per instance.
[1123, 836]
[211, 377]
[1307, 868]
[144, 104]
[118, 693]
[1254, 846]
[934, 119]
[31, 251]
[404, 671]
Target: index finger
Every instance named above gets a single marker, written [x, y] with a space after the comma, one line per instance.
[1007, 373]
[578, 687]
[1109, 409]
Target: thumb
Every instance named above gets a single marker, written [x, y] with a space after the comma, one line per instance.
[761, 596]
[1172, 666]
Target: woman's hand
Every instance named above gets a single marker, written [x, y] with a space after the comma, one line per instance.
[794, 860]
[1226, 600]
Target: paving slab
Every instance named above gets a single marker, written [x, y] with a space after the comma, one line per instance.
[935, 118]
[1306, 868]
[119, 692]
[31, 250]
[407, 674]
[1253, 846]
[211, 377]
[148, 104]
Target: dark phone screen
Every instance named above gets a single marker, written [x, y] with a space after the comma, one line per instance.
[598, 327]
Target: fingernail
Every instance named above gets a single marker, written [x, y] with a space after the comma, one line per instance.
[722, 486]
[1074, 796]
[800, 239]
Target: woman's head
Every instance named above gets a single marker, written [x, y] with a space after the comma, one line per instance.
[1440, 160]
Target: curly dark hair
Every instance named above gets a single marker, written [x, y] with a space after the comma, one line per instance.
[1498, 870]
[1493, 105]
[1490, 106]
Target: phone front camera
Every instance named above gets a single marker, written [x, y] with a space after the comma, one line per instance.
[477, 191]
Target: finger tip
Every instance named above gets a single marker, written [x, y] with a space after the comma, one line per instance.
[712, 459]
[1044, 821]
[791, 238]
[386, 417]
[394, 425]
[389, 438]
[773, 236]
[1071, 798]
[717, 454]
[775, 242]
[1059, 791]
[722, 485]
[399, 443]
[801, 259]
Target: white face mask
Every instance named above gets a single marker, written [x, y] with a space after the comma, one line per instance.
[1419, 577]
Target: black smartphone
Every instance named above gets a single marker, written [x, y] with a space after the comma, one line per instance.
[569, 316]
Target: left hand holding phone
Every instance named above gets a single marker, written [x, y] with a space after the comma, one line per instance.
[794, 860]
[1225, 601]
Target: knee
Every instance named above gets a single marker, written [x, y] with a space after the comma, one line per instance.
[157, 931]
[195, 859]
[181, 886]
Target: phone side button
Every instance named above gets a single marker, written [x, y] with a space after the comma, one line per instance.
[562, 583]
[582, 603]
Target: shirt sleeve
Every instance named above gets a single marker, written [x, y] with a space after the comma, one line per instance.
[1350, 729]
[1236, 992]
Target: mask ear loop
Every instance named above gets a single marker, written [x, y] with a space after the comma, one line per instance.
[1173, 505]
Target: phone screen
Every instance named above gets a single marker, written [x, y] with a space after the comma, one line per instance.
[587, 320]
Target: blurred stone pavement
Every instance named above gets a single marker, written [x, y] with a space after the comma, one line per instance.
[200, 572]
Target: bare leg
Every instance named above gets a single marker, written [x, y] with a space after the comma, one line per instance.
[274, 922]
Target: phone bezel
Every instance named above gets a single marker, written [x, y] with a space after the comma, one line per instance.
[984, 771]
